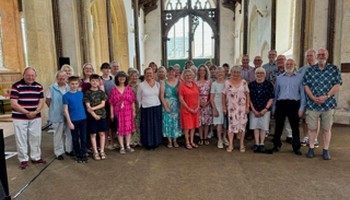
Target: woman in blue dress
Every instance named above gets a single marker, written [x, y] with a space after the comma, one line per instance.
[171, 108]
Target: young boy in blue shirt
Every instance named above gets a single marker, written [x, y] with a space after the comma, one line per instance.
[76, 119]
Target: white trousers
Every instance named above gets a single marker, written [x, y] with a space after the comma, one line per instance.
[28, 131]
[61, 133]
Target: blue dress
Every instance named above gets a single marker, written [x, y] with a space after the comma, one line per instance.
[171, 121]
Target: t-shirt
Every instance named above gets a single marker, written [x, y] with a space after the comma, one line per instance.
[74, 100]
[95, 97]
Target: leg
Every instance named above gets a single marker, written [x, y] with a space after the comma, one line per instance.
[121, 141]
[93, 142]
[293, 117]
[326, 139]
[256, 136]
[21, 136]
[206, 131]
[102, 145]
[68, 136]
[280, 117]
[58, 137]
[187, 136]
[230, 141]
[192, 138]
[241, 141]
[170, 144]
[75, 139]
[34, 137]
[200, 129]
[82, 129]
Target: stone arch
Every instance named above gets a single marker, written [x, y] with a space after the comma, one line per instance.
[253, 32]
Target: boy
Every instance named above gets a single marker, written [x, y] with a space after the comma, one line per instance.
[76, 119]
[94, 100]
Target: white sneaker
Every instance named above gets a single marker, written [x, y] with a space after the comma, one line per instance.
[210, 135]
[305, 142]
[220, 145]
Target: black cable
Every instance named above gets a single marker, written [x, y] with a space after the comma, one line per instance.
[33, 179]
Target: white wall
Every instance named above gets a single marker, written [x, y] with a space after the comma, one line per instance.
[227, 33]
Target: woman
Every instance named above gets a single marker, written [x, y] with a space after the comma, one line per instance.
[68, 69]
[87, 71]
[261, 96]
[171, 108]
[235, 100]
[177, 69]
[134, 82]
[151, 111]
[122, 104]
[206, 115]
[161, 74]
[216, 103]
[189, 99]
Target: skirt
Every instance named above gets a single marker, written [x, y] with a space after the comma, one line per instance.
[151, 127]
[259, 122]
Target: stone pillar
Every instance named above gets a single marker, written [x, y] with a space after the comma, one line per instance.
[41, 41]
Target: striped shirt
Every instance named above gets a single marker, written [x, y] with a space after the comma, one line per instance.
[27, 96]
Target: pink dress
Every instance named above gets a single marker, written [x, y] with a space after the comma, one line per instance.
[236, 101]
[122, 109]
[206, 113]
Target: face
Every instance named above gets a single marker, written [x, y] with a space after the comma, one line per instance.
[74, 85]
[161, 74]
[257, 61]
[114, 68]
[88, 71]
[260, 76]
[61, 78]
[188, 77]
[202, 72]
[106, 71]
[121, 79]
[68, 71]
[226, 70]
[95, 83]
[235, 74]
[310, 57]
[149, 75]
[177, 72]
[213, 72]
[289, 66]
[171, 74]
[29, 76]
[220, 75]
[134, 77]
[322, 56]
[272, 56]
[281, 62]
[154, 67]
[245, 60]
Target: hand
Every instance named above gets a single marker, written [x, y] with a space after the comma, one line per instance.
[215, 112]
[247, 110]
[322, 99]
[89, 109]
[134, 114]
[196, 110]
[257, 114]
[224, 109]
[112, 117]
[167, 110]
[71, 126]
[97, 117]
[300, 114]
[31, 115]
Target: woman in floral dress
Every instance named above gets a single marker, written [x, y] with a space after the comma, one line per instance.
[171, 108]
[236, 100]
[206, 114]
[133, 83]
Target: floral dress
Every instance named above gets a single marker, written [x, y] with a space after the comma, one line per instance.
[136, 133]
[123, 110]
[236, 106]
[171, 121]
[206, 113]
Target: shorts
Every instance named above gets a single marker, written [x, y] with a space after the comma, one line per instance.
[326, 119]
[97, 126]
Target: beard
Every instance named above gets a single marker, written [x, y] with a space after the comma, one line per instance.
[322, 62]
[289, 71]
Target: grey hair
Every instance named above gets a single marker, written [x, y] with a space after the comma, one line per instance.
[186, 71]
[68, 66]
[260, 69]
[311, 50]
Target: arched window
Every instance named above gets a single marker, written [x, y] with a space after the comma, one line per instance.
[190, 37]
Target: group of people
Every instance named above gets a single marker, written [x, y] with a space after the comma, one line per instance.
[168, 103]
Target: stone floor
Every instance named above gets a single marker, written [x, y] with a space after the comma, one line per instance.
[203, 173]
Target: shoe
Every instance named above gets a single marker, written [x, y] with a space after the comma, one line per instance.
[297, 152]
[96, 156]
[210, 135]
[40, 161]
[289, 140]
[276, 149]
[130, 150]
[242, 149]
[84, 159]
[229, 149]
[262, 148]
[103, 155]
[326, 155]
[305, 142]
[122, 151]
[256, 148]
[310, 153]
[176, 145]
[78, 159]
[170, 145]
[226, 143]
[23, 165]
[206, 141]
[60, 157]
[220, 145]
[316, 144]
[70, 153]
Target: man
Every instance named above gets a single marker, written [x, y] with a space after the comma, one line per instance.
[114, 68]
[310, 57]
[271, 65]
[322, 81]
[289, 102]
[60, 129]
[27, 99]
[227, 71]
[281, 63]
[257, 63]
[245, 67]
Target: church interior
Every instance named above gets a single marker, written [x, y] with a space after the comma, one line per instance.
[45, 34]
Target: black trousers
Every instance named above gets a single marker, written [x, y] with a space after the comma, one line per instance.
[290, 109]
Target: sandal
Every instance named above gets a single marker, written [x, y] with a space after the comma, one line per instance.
[188, 146]
[103, 155]
[169, 145]
[206, 141]
[176, 145]
[96, 156]
[242, 149]
[200, 142]
[194, 145]
[229, 149]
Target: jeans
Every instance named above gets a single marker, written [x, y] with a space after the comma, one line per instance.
[79, 131]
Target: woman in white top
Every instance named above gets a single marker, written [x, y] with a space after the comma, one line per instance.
[151, 111]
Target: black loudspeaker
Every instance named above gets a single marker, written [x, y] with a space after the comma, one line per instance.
[62, 61]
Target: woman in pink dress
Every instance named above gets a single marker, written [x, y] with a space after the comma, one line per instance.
[235, 102]
[122, 103]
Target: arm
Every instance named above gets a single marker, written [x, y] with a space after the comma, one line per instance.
[91, 111]
[66, 114]
[17, 107]
[99, 106]
[139, 95]
[162, 99]
[215, 110]
[184, 104]
[48, 102]
[247, 102]
[268, 105]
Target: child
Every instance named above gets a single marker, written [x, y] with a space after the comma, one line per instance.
[94, 99]
[76, 119]
[122, 102]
